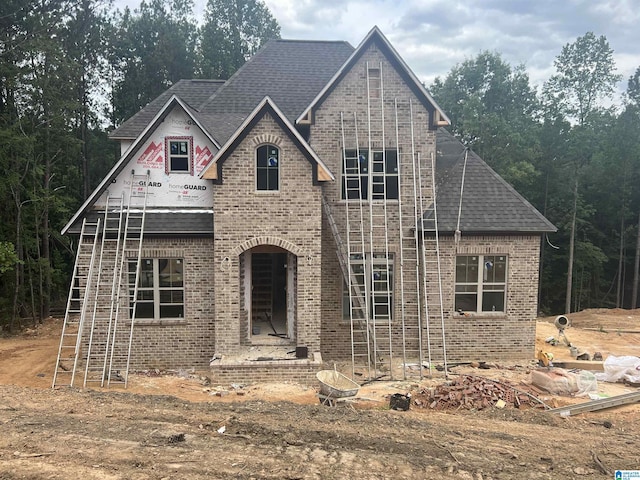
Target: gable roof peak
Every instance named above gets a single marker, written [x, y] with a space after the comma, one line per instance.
[213, 170]
[375, 34]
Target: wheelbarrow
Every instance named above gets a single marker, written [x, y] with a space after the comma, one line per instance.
[335, 387]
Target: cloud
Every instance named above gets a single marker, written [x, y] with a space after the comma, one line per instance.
[434, 35]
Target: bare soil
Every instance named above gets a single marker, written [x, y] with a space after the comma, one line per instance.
[168, 426]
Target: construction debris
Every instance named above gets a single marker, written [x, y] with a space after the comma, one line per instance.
[474, 393]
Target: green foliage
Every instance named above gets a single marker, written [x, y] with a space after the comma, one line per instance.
[585, 74]
[494, 110]
[8, 257]
[152, 48]
[233, 31]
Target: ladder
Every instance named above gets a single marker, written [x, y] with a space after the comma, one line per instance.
[75, 312]
[379, 271]
[130, 265]
[109, 348]
[354, 167]
[427, 225]
[409, 247]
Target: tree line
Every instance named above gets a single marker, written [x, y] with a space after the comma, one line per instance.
[71, 70]
[574, 159]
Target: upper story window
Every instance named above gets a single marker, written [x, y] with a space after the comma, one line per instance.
[179, 155]
[481, 283]
[375, 82]
[267, 168]
[370, 176]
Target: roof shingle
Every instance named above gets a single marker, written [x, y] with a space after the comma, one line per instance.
[489, 204]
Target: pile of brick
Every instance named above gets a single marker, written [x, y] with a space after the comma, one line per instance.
[472, 393]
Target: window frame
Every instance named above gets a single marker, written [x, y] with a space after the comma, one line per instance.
[168, 155]
[371, 171]
[157, 289]
[484, 285]
[371, 264]
[268, 168]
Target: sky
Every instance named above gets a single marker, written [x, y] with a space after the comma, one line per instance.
[434, 35]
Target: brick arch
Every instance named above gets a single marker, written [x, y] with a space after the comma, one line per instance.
[266, 138]
[268, 240]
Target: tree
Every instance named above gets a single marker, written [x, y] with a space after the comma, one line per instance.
[152, 49]
[233, 31]
[584, 75]
[494, 110]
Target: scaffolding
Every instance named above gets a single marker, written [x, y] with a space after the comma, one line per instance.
[107, 264]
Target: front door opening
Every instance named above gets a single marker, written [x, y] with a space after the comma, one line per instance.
[270, 315]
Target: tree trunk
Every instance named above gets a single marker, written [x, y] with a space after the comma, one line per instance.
[619, 298]
[572, 239]
[636, 269]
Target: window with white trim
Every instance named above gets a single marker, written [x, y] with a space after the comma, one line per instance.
[160, 288]
[481, 283]
[374, 276]
[372, 176]
[179, 154]
[267, 168]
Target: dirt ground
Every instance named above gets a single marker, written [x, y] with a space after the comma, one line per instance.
[180, 426]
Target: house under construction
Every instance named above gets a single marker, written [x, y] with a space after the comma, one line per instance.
[312, 207]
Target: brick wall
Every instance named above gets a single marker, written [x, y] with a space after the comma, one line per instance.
[493, 337]
[171, 343]
[244, 218]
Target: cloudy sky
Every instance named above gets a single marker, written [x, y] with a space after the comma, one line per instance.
[434, 35]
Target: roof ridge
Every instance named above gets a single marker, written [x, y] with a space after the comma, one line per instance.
[302, 40]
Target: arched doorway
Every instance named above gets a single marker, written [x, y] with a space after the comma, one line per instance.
[269, 294]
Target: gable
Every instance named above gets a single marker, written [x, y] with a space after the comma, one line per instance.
[169, 188]
[376, 41]
[266, 110]
[150, 152]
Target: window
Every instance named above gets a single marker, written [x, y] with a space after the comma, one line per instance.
[481, 283]
[375, 84]
[160, 288]
[372, 176]
[179, 155]
[267, 165]
[374, 276]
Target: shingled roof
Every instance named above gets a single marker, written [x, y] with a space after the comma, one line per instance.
[290, 72]
[192, 92]
[489, 204]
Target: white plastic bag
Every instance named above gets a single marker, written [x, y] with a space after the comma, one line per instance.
[618, 369]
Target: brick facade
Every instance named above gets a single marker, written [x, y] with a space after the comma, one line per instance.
[244, 218]
[216, 285]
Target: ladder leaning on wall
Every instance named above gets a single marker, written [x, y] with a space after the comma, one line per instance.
[114, 267]
[420, 272]
[368, 235]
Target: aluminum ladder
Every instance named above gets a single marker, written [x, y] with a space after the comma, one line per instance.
[76, 311]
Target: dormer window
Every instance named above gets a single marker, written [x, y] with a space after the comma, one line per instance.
[267, 168]
[179, 155]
